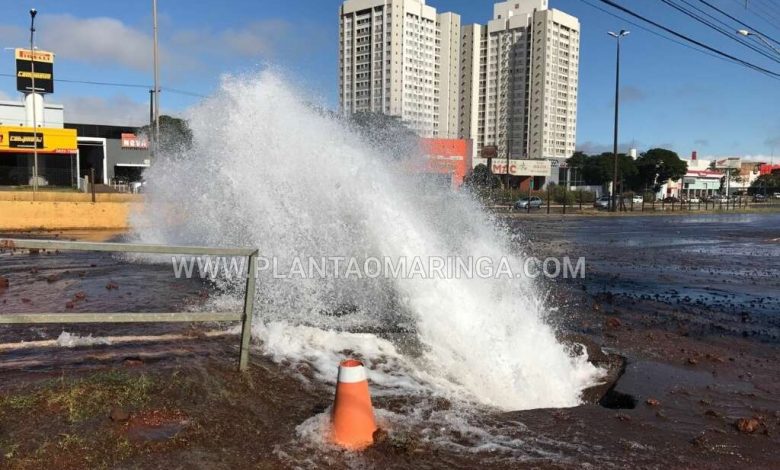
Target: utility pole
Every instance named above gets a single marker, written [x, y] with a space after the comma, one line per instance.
[151, 122]
[617, 37]
[156, 82]
[34, 97]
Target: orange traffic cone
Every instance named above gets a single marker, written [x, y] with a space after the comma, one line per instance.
[353, 416]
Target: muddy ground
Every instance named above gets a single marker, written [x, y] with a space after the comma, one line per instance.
[690, 302]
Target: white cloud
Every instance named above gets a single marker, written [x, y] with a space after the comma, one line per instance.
[258, 39]
[110, 41]
[262, 39]
[751, 158]
[117, 110]
[104, 41]
[96, 40]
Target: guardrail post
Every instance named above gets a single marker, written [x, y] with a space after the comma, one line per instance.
[92, 183]
[548, 198]
[246, 319]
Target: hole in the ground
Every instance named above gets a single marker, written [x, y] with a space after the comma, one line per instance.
[617, 400]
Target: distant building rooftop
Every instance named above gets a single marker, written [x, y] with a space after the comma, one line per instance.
[100, 130]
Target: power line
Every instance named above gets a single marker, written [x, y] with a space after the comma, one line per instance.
[656, 33]
[118, 84]
[750, 28]
[767, 10]
[182, 92]
[744, 5]
[693, 41]
[729, 33]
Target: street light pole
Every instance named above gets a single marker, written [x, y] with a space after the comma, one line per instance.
[617, 37]
[34, 97]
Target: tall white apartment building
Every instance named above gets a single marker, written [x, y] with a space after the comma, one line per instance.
[401, 58]
[518, 85]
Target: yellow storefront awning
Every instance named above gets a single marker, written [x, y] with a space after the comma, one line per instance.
[14, 139]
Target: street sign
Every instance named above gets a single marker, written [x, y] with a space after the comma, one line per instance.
[43, 63]
[517, 167]
[730, 163]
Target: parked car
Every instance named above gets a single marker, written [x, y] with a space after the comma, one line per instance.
[760, 198]
[671, 200]
[638, 199]
[719, 198]
[692, 200]
[777, 195]
[533, 201]
[602, 202]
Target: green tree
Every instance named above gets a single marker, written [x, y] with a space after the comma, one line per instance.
[768, 183]
[481, 178]
[598, 170]
[175, 135]
[577, 160]
[388, 134]
[656, 167]
[627, 171]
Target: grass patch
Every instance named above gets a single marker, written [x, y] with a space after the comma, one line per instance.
[84, 397]
[95, 395]
[54, 425]
[18, 402]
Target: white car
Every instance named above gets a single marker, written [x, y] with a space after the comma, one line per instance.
[693, 200]
[638, 199]
[602, 203]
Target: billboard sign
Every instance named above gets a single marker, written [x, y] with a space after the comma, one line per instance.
[16, 139]
[25, 140]
[447, 157]
[489, 151]
[731, 163]
[43, 63]
[518, 167]
[134, 142]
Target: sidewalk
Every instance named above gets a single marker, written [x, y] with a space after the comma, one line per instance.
[648, 209]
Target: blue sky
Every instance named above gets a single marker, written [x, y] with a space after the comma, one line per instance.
[672, 96]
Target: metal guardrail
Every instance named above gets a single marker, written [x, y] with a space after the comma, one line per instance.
[245, 317]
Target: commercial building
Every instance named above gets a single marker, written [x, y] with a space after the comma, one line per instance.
[519, 81]
[118, 154]
[768, 169]
[67, 152]
[400, 58]
[708, 177]
[38, 148]
[56, 148]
